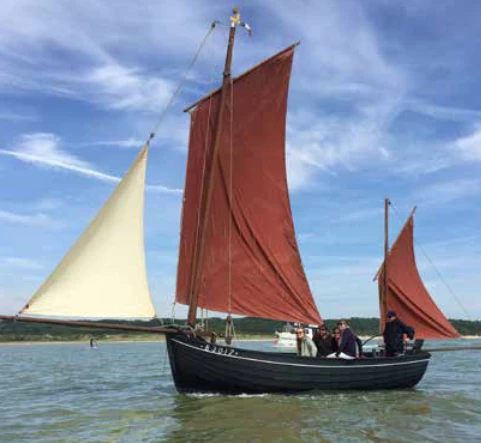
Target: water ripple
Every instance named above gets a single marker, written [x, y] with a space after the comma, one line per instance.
[125, 393]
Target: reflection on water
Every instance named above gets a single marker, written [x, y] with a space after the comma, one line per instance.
[124, 393]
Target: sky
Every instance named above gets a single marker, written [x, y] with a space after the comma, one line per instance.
[384, 101]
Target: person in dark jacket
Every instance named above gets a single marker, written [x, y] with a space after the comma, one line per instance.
[324, 341]
[347, 344]
[336, 333]
[393, 334]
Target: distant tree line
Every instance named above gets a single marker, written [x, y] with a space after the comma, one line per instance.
[246, 326]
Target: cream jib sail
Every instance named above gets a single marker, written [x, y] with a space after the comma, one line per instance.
[103, 275]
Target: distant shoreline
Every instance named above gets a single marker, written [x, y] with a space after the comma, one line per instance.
[160, 339]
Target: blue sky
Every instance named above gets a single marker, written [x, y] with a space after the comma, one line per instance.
[384, 101]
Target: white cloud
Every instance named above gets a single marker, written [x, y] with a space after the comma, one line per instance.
[127, 143]
[446, 191]
[443, 112]
[329, 143]
[15, 116]
[422, 166]
[32, 214]
[19, 262]
[116, 87]
[362, 214]
[350, 80]
[44, 150]
[305, 236]
[36, 40]
[433, 157]
[341, 44]
[109, 86]
[47, 204]
[173, 131]
[347, 93]
[164, 189]
[300, 173]
[37, 219]
[469, 147]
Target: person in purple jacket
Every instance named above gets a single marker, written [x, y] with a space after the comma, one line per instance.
[347, 344]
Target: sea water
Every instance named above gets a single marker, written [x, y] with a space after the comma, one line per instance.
[123, 392]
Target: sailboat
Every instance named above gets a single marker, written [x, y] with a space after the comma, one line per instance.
[200, 366]
[238, 254]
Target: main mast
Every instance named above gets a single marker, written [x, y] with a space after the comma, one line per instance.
[205, 207]
[383, 293]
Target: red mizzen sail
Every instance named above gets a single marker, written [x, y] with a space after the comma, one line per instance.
[251, 264]
[406, 294]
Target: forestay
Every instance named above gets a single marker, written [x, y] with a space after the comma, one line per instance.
[103, 275]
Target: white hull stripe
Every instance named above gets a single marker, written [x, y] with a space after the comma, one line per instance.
[300, 364]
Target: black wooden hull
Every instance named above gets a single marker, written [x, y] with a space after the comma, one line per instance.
[198, 366]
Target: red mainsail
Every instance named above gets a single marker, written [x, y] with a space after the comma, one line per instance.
[407, 294]
[251, 265]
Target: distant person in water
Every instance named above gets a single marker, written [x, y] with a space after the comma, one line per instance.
[394, 334]
[93, 343]
[325, 342]
[347, 342]
[305, 346]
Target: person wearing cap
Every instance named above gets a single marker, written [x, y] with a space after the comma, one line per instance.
[393, 334]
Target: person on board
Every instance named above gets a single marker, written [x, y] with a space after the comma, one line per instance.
[305, 346]
[93, 343]
[347, 343]
[336, 333]
[324, 341]
[393, 334]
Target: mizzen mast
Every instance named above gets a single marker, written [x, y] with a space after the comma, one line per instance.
[207, 197]
[383, 293]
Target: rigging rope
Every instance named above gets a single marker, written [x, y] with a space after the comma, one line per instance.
[171, 102]
[450, 290]
[182, 81]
